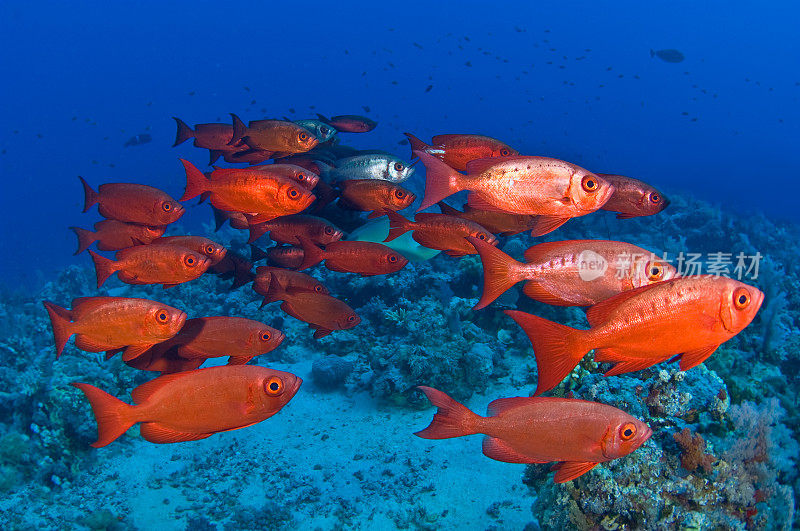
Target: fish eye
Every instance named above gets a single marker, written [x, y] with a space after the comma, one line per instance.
[266, 336]
[655, 272]
[504, 152]
[209, 249]
[324, 131]
[293, 193]
[400, 194]
[589, 183]
[399, 166]
[328, 230]
[166, 207]
[481, 236]
[189, 260]
[392, 258]
[627, 432]
[162, 316]
[318, 288]
[302, 136]
[655, 198]
[274, 386]
[741, 298]
[351, 319]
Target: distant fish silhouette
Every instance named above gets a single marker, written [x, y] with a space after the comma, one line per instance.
[138, 140]
[668, 55]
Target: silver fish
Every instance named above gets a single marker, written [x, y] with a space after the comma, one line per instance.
[371, 166]
[321, 130]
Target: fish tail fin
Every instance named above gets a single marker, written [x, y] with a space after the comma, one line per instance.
[558, 348]
[104, 267]
[440, 180]
[416, 143]
[184, 132]
[90, 196]
[213, 155]
[113, 416]
[652, 52]
[239, 130]
[62, 327]
[398, 225]
[322, 118]
[312, 253]
[85, 238]
[220, 218]
[196, 182]
[257, 254]
[500, 271]
[451, 420]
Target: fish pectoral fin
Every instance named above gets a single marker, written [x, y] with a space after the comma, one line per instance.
[538, 291]
[695, 357]
[111, 353]
[239, 360]
[630, 366]
[569, 470]
[134, 351]
[156, 433]
[498, 450]
[321, 332]
[91, 345]
[167, 286]
[546, 224]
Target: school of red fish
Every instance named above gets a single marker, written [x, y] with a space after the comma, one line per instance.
[638, 317]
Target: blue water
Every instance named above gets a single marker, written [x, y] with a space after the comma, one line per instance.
[570, 80]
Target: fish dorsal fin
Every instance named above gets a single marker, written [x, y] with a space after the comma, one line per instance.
[542, 225]
[146, 390]
[539, 292]
[569, 470]
[695, 357]
[630, 365]
[498, 450]
[481, 165]
[500, 405]
[600, 312]
[447, 209]
[156, 433]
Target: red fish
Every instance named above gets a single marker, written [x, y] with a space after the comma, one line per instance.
[282, 137]
[577, 434]
[206, 136]
[239, 156]
[364, 258]
[304, 160]
[439, 231]
[151, 264]
[350, 123]
[237, 219]
[323, 313]
[374, 196]
[107, 323]
[687, 316]
[211, 337]
[285, 256]
[255, 192]
[214, 251]
[287, 279]
[113, 235]
[193, 405]
[132, 203]
[234, 266]
[287, 229]
[457, 150]
[570, 273]
[495, 222]
[290, 171]
[551, 189]
[165, 362]
[633, 198]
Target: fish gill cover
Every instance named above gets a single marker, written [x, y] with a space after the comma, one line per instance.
[373, 224]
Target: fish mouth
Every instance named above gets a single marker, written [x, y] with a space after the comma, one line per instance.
[645, 436]
[297, 383]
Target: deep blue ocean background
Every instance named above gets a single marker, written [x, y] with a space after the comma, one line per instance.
[572, 80]
[716, 132]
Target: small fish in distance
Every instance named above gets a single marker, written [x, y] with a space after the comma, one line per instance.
[138, 140]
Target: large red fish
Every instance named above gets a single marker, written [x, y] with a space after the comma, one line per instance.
[287, 229]
[439, 231]
[290, 171]
[374, 196]
[193, 405]
[214, 251]
[364, 258]
[349, 123]
[212, 337]
[457, 150]
[108, 323]
[206, 136]
[132, 203]
[242, 190]
[286, 256]
[570, 273]
[551, 189]
[577, 434]
[286, 279]
[282, 137]
[323, 313]
[113, 235]
[151, 264]
[636, 329]
[633, 198]
[495, 222]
